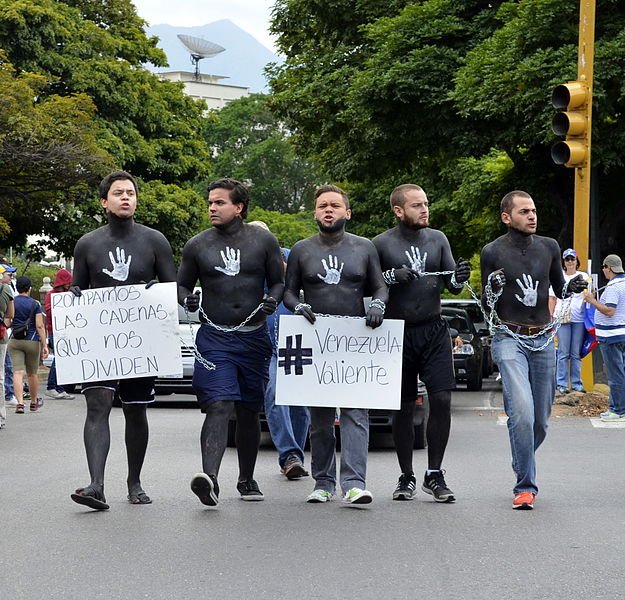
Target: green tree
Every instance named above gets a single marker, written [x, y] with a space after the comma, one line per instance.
[288, 228]
[251, 145]
[452, 95]
[97, 49]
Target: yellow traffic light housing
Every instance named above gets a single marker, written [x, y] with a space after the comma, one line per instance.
[573, 97]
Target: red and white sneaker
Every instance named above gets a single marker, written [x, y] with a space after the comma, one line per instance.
[524, 501]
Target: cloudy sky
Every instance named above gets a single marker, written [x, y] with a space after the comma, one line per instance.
[250, 15]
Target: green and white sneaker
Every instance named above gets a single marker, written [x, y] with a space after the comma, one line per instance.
[319, 496]
[612, 416]
[358, 496]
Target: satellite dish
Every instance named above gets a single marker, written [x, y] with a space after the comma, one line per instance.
[199, 49]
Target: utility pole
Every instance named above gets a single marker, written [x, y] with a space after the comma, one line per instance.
[575, 97]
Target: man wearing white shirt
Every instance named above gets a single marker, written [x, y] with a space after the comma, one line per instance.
[610, 329]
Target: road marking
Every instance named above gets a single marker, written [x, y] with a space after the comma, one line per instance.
[595, 422]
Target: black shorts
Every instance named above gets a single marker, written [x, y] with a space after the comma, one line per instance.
[139, 390]
[427, 355]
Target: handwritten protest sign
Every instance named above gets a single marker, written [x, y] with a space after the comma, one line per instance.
[116, 333]
[339, 362]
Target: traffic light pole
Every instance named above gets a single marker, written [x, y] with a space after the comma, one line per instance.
[585, 64]
[581, 229]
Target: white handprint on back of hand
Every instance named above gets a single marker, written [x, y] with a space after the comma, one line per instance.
[120, 266]
[530, 291]
[232, 261]
[416, 262]
[333, 273]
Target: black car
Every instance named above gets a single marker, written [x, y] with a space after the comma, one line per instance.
[468, 357]
[476, 315]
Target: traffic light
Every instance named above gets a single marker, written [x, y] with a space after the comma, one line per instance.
[573, 97]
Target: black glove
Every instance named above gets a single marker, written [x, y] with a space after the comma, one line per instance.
[269, 305]
[576, 285]
[404, 275]
[462, 272]
[192, 302]
[306, 312]
[150, 283]
[497, 280]
[76, 291]
[375, 316]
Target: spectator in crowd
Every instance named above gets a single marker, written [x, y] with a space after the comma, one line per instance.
[26, 352]
[6, 277]
[570, 313]
[7, 311]
[62, 283]
[610, 328]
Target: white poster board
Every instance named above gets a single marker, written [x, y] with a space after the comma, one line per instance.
[116, 333]
[339, 362]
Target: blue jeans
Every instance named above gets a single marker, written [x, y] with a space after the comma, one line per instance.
[52, 384]
[9, 392]
[528, 379]
[570, 338]
[614, 359]
[288, 425]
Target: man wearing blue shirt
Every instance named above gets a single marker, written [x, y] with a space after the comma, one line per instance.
[610, 328]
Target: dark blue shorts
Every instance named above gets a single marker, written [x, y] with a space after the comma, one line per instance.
[242, 366]
[427, 355]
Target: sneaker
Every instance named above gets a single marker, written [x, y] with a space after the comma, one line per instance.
[34, 406]
[11, 401]
[26, 396]
[19, 409]
[581, 390]
[205, 488]
[605, 414]
[406, 487]
[66, 396]
[612, 416]
[54, 394]
[250, 491]
[293, 468]
[358, 496]
[39, 402]
[434, 484]
[562, 390]
[524, 501]
[319, 496]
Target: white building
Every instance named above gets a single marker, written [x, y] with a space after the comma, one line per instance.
[215, 94]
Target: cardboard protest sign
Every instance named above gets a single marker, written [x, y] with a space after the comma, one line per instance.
[116, 333]
[339, 362]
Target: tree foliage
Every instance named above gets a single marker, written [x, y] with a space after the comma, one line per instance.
[91, 53]
[452, 95]
[288, 228]
[251, 145]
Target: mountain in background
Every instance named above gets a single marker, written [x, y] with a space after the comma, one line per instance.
[243, 61]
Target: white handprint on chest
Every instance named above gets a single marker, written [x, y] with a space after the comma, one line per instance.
[417, 262]
[232, 261]
[529, 289]
[121, 268]
[333, 272]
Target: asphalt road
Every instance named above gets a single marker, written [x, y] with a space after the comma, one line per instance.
[570, 546]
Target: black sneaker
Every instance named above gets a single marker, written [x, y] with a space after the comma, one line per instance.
[205, 488]
[406, 487]
[434, 484]
[250, 491]
[293, 468]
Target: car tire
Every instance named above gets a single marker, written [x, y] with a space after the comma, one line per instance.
[474, 380]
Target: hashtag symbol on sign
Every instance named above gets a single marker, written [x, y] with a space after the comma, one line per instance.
[294, 357]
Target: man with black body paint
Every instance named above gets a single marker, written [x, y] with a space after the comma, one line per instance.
[335, 269]
[522, 265]
[232, 261]
[406, 252]
[122, 252]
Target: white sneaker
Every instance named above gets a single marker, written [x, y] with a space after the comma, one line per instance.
[319, 496]
[66, 396]
[54, 394]
[358, 496]
[11, 401]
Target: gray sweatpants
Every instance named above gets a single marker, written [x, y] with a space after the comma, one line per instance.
[354, 448]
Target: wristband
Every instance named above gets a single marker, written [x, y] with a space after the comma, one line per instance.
[301, 305]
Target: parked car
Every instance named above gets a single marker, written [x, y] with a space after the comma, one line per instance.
[468, 357]
[475, 313]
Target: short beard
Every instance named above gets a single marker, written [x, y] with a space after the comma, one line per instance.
[340, 224]
[415, 226]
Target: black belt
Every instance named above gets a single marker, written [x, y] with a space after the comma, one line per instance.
[526, 329]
